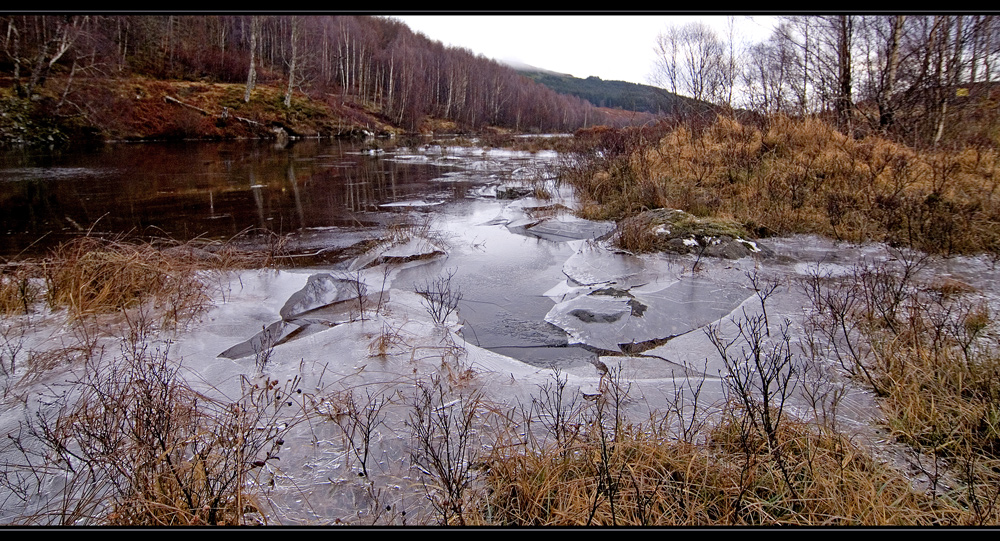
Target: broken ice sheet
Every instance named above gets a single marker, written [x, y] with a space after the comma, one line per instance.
[562, 228]
[410, 249]
[592, 265]
[307, 310]
[320, 290]
[621, 320]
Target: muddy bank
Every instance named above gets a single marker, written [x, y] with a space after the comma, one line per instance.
[139, 109]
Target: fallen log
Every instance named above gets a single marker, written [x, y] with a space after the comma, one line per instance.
[168, 99]
[224, 115]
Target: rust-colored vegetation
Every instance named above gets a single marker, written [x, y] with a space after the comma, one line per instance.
[796, 176]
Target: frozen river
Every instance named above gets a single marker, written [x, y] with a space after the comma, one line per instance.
[537, 292]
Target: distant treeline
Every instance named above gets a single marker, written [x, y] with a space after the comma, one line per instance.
[618, 94]
[374, 62]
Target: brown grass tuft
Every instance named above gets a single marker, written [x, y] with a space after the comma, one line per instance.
[89, 276]
[656, 480]
[797, 176]
[18, 289]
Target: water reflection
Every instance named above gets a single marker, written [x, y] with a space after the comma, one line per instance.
[195, 189]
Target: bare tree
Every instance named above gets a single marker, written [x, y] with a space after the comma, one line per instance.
[252, 75]
[295, 36]
[886, 107]
[844, 103]
[769, 74]
[36, 36]
[690, 61]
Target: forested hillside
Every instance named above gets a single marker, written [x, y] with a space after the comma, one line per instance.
[619, 94]
[364, 72]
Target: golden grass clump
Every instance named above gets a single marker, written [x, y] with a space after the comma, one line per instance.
[646, 478]
[89, 276]
[801, 176]
[18, 289]
[942, 392]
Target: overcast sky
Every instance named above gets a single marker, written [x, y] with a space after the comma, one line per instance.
[612, 47]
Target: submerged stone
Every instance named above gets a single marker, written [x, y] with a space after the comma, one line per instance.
[589, 316]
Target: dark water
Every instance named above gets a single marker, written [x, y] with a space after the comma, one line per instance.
[189, 190]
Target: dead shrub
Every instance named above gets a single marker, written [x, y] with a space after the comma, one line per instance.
[132, 444]
[445, 446]
[439, 297]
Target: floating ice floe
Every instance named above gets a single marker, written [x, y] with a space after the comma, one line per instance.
[324, 301]
[411, 249]
[593, 265]
[563, 228]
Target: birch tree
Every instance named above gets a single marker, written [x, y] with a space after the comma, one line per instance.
[252, 74]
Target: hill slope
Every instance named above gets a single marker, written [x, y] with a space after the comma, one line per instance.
[617, 94]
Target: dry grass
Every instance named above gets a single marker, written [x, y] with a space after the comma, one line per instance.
[19, 289]
[644, 477]
[133, 444]
[930, 352]
[90, 276]
[798, 176]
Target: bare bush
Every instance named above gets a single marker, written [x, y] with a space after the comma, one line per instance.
[361, 422]
[687, 408]
[611, 469]
[263, 349]
[131, 443]
[761, 374]
[440, 299]
[360, 291]
[12, 337]
[445, 446]
[556, 411]
[761, 378]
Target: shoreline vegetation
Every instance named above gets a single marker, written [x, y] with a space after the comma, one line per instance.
[782, 176]
[134, 443]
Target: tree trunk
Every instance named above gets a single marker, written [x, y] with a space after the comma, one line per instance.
[844, 103]
[291, 67]
[252, 75]
[886, 109]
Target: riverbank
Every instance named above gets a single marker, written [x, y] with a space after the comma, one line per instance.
[143, 109]
[782, 176]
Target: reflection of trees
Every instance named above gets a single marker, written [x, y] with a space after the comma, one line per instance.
[367, 184]
[258, 198]
[290, 176]
[183, 191]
